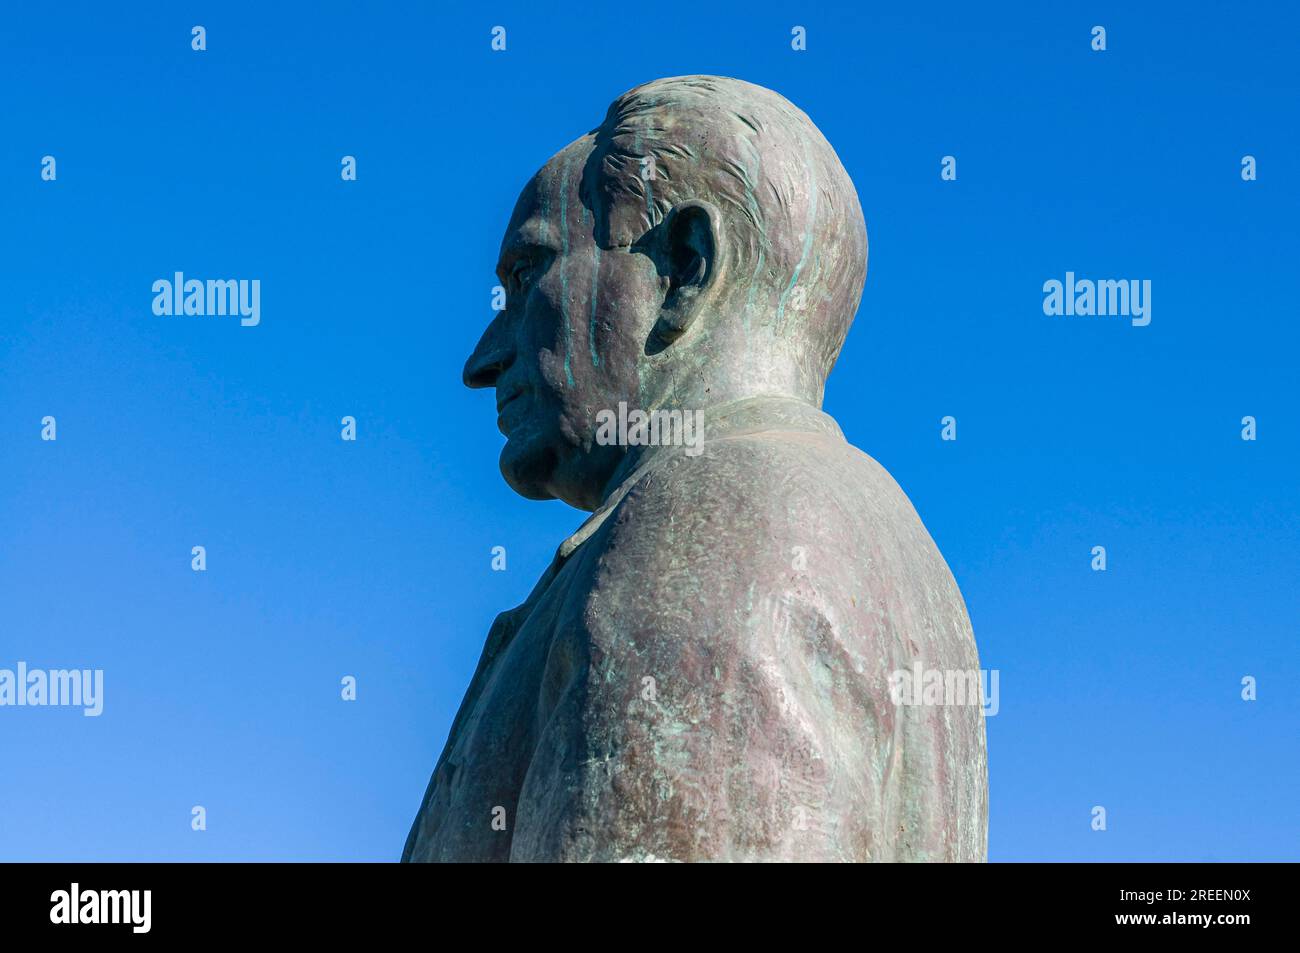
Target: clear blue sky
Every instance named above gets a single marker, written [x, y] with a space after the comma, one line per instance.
[372, 559]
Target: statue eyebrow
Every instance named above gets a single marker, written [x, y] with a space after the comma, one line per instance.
[519, 249]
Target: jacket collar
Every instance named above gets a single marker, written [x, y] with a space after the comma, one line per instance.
[752, 415]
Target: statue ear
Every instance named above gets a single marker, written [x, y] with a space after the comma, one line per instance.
[691, 262]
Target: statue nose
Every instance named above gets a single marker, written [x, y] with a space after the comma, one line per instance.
[487, 364]
[494, 353]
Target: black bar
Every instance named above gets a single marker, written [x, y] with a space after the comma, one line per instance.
[973, 903]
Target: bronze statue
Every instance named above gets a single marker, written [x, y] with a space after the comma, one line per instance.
[704, 671]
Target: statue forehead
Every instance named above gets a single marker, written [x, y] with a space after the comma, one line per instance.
[552, 200]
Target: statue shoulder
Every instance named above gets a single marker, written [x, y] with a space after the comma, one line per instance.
[791, 516]
[770, 481]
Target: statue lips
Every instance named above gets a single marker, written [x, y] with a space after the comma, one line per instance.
[510, 397]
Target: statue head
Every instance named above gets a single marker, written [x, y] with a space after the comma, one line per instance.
[703, 245]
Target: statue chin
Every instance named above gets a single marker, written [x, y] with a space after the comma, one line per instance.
[528, 464]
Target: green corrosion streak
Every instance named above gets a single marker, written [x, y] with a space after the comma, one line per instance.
[564, 278]
[595, 285]
[807, 235]
[543, 222]
[649, 189]
[752, 176]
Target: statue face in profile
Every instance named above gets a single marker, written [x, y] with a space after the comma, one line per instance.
[697, 248]
[566, 343]
[703, 671]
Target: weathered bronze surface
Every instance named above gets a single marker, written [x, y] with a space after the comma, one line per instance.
[704, 671]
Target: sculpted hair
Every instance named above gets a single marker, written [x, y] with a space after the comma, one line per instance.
[796, 238]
